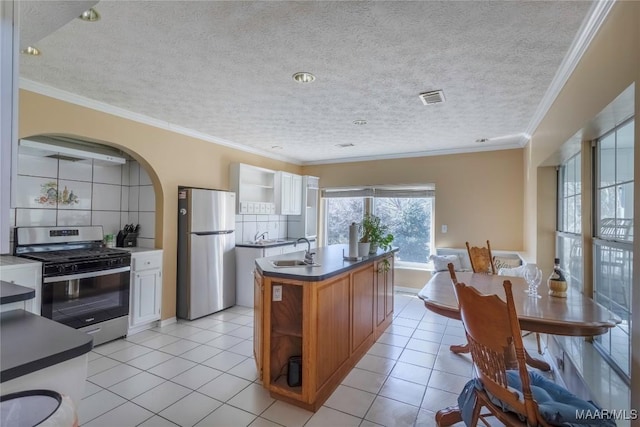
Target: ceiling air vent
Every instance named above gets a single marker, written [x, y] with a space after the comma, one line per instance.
[432, 97]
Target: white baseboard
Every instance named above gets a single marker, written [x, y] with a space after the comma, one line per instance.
[168, 321]
[406, 289]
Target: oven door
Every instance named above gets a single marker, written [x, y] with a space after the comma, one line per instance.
[84, 299]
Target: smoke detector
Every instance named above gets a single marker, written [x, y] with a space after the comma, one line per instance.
[432, 97]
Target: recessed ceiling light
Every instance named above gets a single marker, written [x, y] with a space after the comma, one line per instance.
[345, 145]
[30, 50]
[304, 77]
[90, 15]
[481, 140]
[359, 122]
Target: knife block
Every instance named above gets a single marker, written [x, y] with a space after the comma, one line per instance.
[130, 240]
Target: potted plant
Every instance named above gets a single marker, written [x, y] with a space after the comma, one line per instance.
[375, 233]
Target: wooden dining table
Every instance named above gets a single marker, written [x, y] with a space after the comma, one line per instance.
[575, 315]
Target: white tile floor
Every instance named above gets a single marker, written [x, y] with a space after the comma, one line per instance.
[203, 373]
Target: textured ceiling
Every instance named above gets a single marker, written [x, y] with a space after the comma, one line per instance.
[224, 69]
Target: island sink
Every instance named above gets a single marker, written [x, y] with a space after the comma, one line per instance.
[292, 263]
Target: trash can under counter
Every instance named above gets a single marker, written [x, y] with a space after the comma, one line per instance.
[45, 408]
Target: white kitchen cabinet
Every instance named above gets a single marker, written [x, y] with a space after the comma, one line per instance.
[26, 273]
[254, 188]
[146, 290]
[306, 223]
[288, 193]
[245, 265]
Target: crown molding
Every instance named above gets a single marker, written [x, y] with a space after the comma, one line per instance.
[588, 29]
[82, 101]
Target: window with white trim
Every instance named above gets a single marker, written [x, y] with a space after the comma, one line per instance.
[569, 227]
[613, 239]
[407, 211]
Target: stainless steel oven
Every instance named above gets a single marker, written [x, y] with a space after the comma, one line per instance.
[84, 299]
[85, 285]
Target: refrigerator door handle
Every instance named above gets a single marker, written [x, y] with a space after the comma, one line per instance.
[210, 233]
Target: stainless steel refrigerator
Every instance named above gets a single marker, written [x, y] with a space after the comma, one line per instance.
[206, 251]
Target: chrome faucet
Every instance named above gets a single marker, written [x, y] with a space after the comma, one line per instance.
[260, 236]
[308, 255]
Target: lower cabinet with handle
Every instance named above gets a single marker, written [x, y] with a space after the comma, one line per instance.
[145, 295]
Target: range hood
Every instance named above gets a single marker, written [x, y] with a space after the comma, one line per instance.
[71, 150]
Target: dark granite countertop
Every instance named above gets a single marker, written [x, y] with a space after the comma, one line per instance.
[31, 343]
[10, 292]
[330, 259]
[270, 243]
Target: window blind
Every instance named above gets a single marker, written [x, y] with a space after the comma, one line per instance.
[386, 191]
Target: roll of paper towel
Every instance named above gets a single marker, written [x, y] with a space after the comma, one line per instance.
[353, 240]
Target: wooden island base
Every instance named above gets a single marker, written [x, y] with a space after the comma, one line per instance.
[330, 316]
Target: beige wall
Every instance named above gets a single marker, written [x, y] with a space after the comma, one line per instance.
[170, 159]
[478, 195]
[608, 67]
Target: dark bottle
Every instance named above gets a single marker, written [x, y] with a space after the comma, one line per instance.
[557, 283]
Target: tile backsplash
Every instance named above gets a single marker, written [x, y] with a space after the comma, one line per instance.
[52, 192]
[248, 226]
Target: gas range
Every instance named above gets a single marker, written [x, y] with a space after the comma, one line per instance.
[84, 284]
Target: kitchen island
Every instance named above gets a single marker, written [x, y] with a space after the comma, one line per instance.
[323, 317]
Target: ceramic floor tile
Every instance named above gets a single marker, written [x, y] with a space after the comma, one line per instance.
[157, 421]
[143, 336]
[224, 361]
[364, 380]
[131, 352]
[161, 397]
[263, 422]
[412, 373]
[114, 375]
[224, 328]
[379, 365]
[179, 347]
[392, 413]
[431, 326]
[172, 367]
[401, 321]
[246, 370]
[254, 399]
[426, 419]
[454, 364]
[423, 346]
[242, 320]
[391, 339]
[196, 377]
[384, 350]
[447, 382]
[435, 399]
[136, 385]
[350, 400]
[330, 417]
[189, 410]
[183, 331]
[111, 347]
[126, 415]
[90, 388]
[100, 364]
[286, 414]
[428, 335]
[204, 336]
[149, 360]
[244, 332]
[426, 360]
[224, 387]
[400, 330]
[92, 355]
[205, 323]
[244, 348]
[225, 342]
[226, 416]
[201, 353]
[97, 404]
[159, 341]
[403, 391]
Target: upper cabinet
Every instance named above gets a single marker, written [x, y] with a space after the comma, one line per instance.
[306, 223]
[288, 193]
[255, 189]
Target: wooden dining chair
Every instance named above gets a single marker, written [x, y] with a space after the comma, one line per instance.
[503, 385]
[481, 259]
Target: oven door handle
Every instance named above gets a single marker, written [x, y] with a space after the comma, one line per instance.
[86, 275]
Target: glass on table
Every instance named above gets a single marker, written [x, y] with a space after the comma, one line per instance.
[533, 276]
